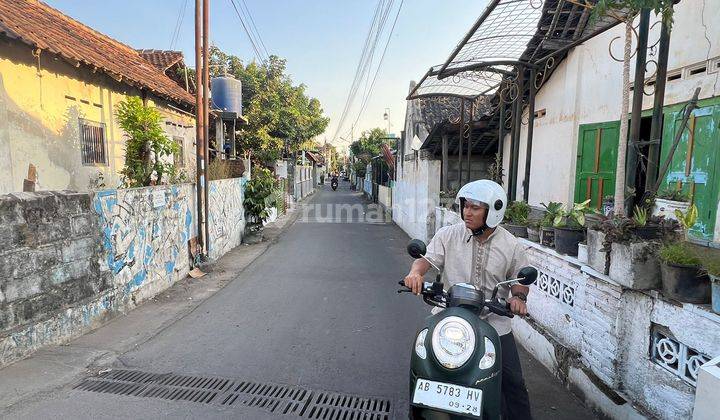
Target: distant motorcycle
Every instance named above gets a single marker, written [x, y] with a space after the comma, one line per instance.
[455, 367]
[334, 183]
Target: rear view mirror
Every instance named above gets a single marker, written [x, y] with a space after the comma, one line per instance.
[528, 275]
[416, 248]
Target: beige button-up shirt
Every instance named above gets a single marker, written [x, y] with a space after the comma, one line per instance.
[484, 264]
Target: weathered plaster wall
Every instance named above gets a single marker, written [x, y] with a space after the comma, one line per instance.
[41, 101]
[415, 195]
[145, 234]
[226, 215]
[590, 83]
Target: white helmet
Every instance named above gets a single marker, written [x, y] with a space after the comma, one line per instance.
[486, 192]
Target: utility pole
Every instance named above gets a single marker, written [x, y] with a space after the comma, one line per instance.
[206, 109]
[199, 128]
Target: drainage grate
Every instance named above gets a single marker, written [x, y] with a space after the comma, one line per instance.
[277, 399]
[334, 406]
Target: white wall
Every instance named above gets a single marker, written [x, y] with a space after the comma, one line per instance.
[587, 87]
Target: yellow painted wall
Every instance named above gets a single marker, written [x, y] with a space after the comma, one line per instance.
[40, 104]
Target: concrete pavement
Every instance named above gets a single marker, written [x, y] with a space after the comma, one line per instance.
[317, 310]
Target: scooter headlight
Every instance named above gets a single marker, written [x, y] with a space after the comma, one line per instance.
[420, 344]
[453, 342]
[488, 359]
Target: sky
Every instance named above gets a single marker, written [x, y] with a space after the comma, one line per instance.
[321, 39]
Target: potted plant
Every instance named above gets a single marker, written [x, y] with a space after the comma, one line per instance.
[682, 277]
[570, 228]
[533, 230]
[547, 232]
[516, 218]
[259, 198]
[711, 264]
[669, 200]
[687, 219]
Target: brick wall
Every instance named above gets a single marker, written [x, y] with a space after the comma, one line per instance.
[608, 331]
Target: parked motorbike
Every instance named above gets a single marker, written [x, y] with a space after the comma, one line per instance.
[334, 183]
[456, 363]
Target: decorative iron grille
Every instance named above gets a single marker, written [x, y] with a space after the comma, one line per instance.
[92, 143]
[676, 357]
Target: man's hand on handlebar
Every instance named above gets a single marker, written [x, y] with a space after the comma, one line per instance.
[414, 282]
[517, 306]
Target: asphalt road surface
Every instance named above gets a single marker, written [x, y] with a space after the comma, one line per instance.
[317, 312]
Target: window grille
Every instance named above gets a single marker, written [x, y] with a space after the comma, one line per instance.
[179, 156]
[92, 142]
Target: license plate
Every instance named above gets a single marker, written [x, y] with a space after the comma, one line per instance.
[449, 397]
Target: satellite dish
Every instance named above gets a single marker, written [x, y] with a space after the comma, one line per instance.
[416, 143]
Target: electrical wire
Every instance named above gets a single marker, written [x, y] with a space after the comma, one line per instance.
[358, 71]
[367, 55]
[178, 25]
[252, 41]
[257, 32]
[377, 71]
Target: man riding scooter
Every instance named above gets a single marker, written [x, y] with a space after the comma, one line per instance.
[334, 182]
[480, 252]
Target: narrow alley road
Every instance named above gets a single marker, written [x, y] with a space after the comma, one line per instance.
[317, 311]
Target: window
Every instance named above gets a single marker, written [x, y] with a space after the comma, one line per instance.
[179, 156]
[92, 141]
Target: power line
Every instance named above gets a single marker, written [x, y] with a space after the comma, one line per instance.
[376, 28]
[358, 70]
[257, 32]
[252, 42]
[178, 25]
[377, 71]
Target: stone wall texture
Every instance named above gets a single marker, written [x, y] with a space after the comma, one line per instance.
[70, 261]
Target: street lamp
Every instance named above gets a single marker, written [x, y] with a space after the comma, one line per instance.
[386, 117]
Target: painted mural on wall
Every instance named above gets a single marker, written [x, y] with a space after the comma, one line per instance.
[226, 215]
[145, 233]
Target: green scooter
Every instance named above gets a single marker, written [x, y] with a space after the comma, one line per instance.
[456, 365]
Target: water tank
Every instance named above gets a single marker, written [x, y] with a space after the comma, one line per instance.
[227, 94]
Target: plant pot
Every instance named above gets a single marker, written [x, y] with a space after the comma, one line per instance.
[518, 230]
[596, 257]
[547, 237]
[685, 283]
[715, 289]
[666, 208]
[608, 206]
[635, 265]
[533, 234]
[567, 240]
[647, 232]
[582, 253]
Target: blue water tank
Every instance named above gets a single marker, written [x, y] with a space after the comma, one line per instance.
[227, 94]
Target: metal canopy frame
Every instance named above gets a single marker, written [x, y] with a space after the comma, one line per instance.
[512, 37]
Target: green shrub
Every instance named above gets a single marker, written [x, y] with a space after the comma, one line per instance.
[679, 253]
[575, 217]
[674, 194]
[259, 195]
[517, 212]
[552, 209]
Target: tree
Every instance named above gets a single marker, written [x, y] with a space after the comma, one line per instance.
[280, 114]
[146, 146]
[630, 9]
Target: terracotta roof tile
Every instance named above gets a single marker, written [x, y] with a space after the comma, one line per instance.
[39, 25]
[161, 59]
